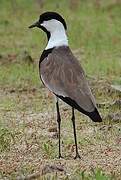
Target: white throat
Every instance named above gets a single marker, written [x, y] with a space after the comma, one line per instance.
[57, 31]
[57, 38]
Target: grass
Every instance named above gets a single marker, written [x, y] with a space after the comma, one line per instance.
[28, 130]
[98, 31]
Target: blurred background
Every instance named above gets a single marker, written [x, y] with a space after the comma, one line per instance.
[27, 118]
[94, 29]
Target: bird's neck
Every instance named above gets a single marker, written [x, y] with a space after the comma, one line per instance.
[57, 38]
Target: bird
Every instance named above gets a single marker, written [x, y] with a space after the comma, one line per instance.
[62, 73]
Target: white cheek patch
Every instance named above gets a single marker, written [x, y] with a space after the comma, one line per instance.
[52, 25]
[58, 35]
[46, 24]
[43, 24]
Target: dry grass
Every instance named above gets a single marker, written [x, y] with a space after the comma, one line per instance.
[30, 142]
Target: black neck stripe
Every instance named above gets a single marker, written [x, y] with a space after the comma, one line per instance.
[45, 54]
[47, 32]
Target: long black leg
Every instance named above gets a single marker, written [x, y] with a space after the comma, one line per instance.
[59, 123]
[75, 138]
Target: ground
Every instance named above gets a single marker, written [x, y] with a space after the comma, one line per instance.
[28, 129]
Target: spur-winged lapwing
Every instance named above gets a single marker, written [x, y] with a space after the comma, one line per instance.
[62, 74]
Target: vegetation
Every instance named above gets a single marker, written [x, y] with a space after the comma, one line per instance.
[28, 132]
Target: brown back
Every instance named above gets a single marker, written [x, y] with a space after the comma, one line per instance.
[64, 76]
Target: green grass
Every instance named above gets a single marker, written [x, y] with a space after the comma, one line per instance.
[95, 31]
[17, 75]
[27, 111]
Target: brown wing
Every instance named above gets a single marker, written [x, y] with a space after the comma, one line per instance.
[63, 75]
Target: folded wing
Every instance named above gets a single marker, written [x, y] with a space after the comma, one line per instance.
[63, 75]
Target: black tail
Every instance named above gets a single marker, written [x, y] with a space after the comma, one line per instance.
[95, 116]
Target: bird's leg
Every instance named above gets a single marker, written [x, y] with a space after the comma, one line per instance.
[75, 138]
[59, 123]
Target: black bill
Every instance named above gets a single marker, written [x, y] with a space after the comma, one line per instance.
[36, 24]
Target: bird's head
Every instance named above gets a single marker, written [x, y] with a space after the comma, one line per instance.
[50, 22]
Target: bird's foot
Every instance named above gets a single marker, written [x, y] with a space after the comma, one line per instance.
[77, 156]
[60, 156]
